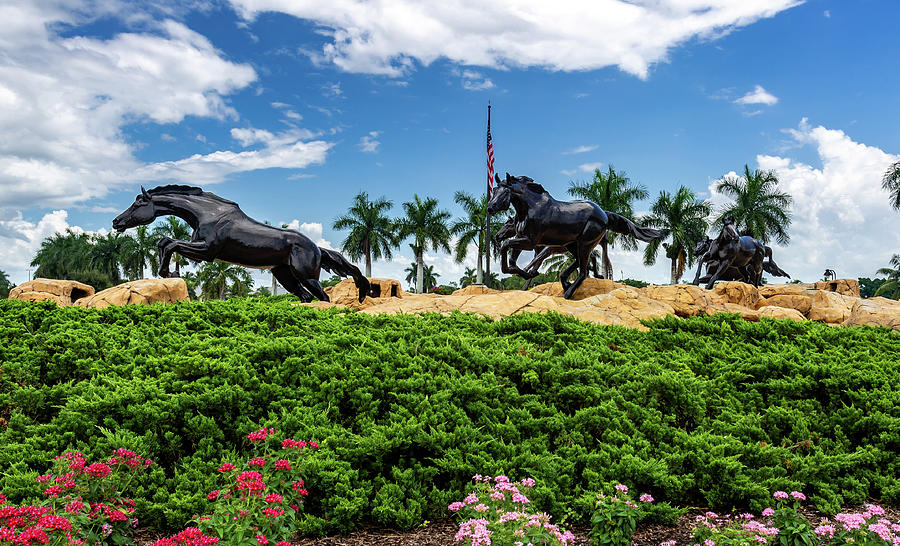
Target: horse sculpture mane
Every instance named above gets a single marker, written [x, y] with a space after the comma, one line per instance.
[181, 189]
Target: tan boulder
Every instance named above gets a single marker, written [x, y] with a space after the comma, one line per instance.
[146, 292]
[474, 289]
[780, 313]
[846, 287]
[623, 306]
[62, 292]
[746, 313]
[590, 287]
[830, 307]
[739, 293]
[799, 302]
[875, 312]
[686, 299]
[346, 294]
[769, 290]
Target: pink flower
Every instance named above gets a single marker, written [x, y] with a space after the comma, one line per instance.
[456, 506]
[257, 461]
[213, 495]
[780, 495]
[273, 512]
[708, 542]
[274, 498]
[53, 490]
[226, 467]
[98, 470]
[260, 435]
[314, 445]
[262, 540]
[528, 482]
[825, 531]
[44, 478]
[480, 507]
[283, 464]
[768, 512]
[646, 498]
[798, 495]
[74, 507]
[622, 488]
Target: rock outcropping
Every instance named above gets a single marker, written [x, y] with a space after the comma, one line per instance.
[62, 292]
[606, 302]
[146, 291]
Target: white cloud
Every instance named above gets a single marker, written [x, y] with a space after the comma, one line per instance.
[390, 36]
[369, 144]
[758, 96]
[590, 167]
[581, 149]
[827, 14]
[313, 230]
[21, 239]
[841, 217]
[66, 99]
[475, 81]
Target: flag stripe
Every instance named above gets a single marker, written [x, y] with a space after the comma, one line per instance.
[490, 161]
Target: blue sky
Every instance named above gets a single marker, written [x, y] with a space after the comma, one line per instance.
[290, 108]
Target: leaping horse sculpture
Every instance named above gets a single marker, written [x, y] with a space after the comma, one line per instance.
[223, 232]
[542, 221]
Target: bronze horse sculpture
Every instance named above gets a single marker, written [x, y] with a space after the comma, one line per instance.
[223, 232]
[732, 273]
[540, 255]
[542, 223]
[734, 257]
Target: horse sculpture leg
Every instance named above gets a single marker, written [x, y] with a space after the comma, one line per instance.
[723, 265]
[164, 256]
[286, 278]
[582, 257]
[306, 271]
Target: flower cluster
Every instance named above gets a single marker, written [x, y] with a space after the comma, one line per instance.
[784, 524]
[866, 527]
[615, 517]
[498, 512]
[84, 503]
[260, 499]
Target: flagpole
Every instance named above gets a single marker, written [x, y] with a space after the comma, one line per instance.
[487, 215]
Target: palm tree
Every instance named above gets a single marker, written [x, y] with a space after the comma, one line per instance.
[107, 252]
[176, 229]
[470, 229]
[468, 277]
[682, 219]
[62, 256]
[891, 287]
[427, 226]
[891, 183]
[759, 210]
[429, 277]
[141, 254]
[612, 191]
[372, 234]
[5, 285]
[214, 279]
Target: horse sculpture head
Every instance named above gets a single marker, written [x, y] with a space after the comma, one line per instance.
[702, 246]
[505, 189]
[140, 213]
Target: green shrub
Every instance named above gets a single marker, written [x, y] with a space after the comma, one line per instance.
[710, 411]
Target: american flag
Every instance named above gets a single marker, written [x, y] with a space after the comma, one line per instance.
[490, 156]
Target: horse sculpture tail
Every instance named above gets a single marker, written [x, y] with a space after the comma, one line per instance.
[620, 224]
[771, 267]
[337, 264]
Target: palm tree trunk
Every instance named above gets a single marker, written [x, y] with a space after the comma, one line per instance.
[368, 258]
[274, 285]
[607, 265]
[479, 271]
[420, 272]
[674, 270]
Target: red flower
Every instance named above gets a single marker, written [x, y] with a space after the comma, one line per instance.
[213, 495]
[273, 512]
[53, 490]
[283, 464]
[257, 461]
[74, 507]
[98, 470]
[274, 498]
[226, 467]
[261, 539]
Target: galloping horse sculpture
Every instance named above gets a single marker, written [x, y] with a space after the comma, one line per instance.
[223, 232]
[542, 221]
[540, 255]
[735, 257]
